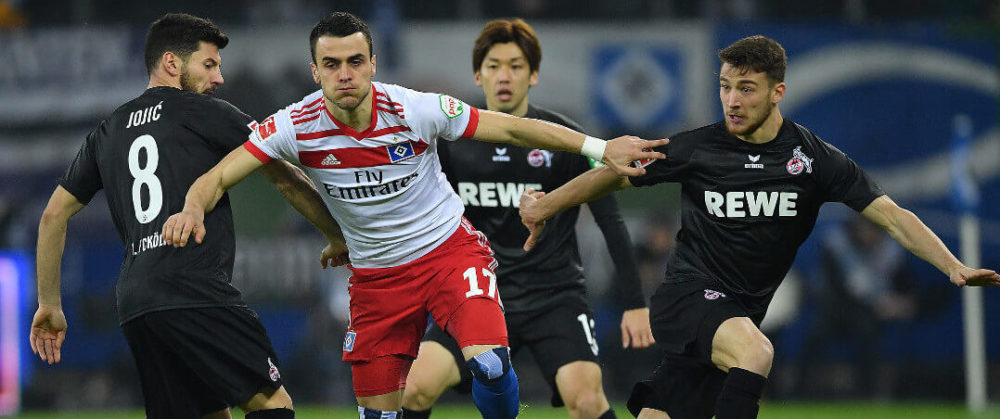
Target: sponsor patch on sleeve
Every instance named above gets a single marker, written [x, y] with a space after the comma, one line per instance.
[452, 108]
[267, 128]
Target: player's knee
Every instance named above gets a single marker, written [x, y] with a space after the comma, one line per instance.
[588, 403]
[268, 398]
[490, 366]
[758, 356]
[419, 396]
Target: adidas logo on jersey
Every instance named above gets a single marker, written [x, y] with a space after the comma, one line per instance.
[330, 160]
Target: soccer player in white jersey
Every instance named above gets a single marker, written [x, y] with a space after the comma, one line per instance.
[371, 149]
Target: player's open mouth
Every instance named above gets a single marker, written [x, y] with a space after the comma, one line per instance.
[735, 119]
[505, 94]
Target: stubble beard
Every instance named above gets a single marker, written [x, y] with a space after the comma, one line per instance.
[753, 128]
[188, 85]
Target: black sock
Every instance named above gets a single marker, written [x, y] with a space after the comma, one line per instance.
[740, 395]
[416, 414]
[609, 414]
[280, 413]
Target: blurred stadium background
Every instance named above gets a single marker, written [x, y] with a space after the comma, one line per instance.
[883, 80]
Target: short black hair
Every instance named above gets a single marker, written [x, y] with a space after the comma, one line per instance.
[501, 31]
[757, 53]
[339, 24]
[180, 33]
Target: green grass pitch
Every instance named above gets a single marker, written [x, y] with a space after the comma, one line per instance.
[769, 410]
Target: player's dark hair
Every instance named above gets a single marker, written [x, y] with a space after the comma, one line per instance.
[180, 33]
[501, 31]
[757, 53]
[339, 24]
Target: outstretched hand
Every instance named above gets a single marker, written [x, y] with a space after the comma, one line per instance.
[48, 331]
[621, 152]
[179, 227]
[334, 254]
[635, 329]
[975, 277]
[531, 216]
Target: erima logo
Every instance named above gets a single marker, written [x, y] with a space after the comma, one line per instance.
[753, 162]
[501, 154]
[742, 204]
[330, 160]
[493, 194]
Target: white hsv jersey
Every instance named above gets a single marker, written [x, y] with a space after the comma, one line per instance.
[384, 185]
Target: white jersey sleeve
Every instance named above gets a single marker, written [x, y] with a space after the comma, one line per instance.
[273, 138]
[441, 116]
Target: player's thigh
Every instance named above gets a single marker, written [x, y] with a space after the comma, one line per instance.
[170, 387]
[268, 398]
[388, 402]
[433, 372]
[465, 301]
[739, 343]
[652, 414]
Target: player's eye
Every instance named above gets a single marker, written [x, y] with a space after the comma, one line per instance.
[724, 86]
[747, 90]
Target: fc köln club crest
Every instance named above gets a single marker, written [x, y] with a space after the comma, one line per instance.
[799, 162]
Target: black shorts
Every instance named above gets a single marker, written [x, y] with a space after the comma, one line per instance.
[194, 361]
[556, 336]
[684, 317]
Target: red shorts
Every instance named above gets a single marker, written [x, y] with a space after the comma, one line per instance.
[389, 306]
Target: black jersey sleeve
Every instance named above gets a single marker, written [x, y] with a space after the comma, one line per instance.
[628, 289]
[672, 168]
[226, 128]
[840, 179]
[82, 178]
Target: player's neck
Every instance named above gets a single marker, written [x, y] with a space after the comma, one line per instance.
[767, 131]
[158, 80]
[358, 118]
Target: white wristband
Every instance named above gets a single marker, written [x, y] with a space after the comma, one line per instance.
[593, 148]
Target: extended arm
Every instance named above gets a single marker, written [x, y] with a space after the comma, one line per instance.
[296, 187]
[205, 193]
[912, 234]
[48, 327]
[536, 207]
[531, 133]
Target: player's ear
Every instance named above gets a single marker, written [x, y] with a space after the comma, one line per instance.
[478, 81]
[533, 79]
[373, 65]
[778, 93]
[315, 72]
[171, 64]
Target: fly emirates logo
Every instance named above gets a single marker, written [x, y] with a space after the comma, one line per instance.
[493, 194]
[751, 204]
